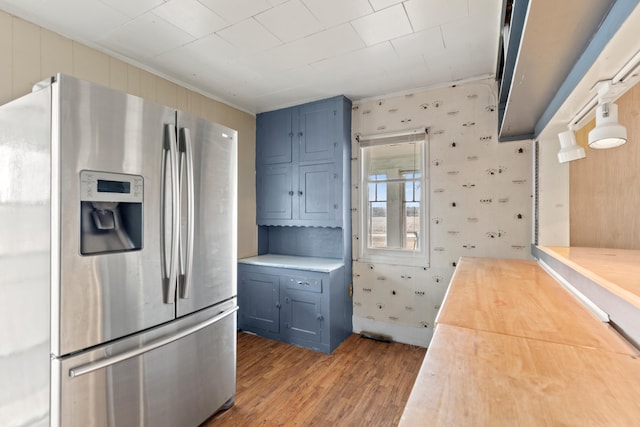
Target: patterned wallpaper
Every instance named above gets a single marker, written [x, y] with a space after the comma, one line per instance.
[480, 204]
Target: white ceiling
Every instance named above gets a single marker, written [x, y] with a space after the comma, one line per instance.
[261, 55]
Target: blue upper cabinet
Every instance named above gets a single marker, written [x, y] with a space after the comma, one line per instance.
[276, 134]
[302, 155]
[317, 132]
[318, 186]
[274, 192]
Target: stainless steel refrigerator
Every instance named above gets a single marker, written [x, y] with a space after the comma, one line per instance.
[117, 260]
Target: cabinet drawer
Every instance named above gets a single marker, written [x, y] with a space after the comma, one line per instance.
[304, 283]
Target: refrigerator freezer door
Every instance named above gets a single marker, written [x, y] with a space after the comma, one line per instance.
[212, 276]
[171, 380]
[25, 131]
[100, 297]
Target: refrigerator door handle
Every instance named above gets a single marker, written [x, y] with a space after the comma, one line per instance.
[120, 357]
[186, 148]
[170, 153]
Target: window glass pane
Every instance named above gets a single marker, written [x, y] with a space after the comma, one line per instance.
[377, 192]
[409, 191]
[393, 174]
[379, 177]
[412, 226]
[377, 225]
[387, 160]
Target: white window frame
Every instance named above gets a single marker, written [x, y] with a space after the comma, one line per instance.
[385, 255]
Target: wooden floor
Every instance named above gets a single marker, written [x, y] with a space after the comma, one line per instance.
[363, 383]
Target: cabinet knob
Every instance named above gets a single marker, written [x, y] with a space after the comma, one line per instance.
[299, 133]
[319, 316]
[299, 192]
[278, 305]
[291, 192]
[290, 134]
[301, 283]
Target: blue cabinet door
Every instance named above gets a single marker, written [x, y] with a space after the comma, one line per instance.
[317, 131]
[317, 192]
[302, 316]
[259, 301]
[275, 134]
[274, 193]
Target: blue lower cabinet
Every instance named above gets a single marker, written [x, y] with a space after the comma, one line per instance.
[302, 316]
[259, 297]
[305, 308]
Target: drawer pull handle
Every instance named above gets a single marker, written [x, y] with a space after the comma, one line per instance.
[301, 283]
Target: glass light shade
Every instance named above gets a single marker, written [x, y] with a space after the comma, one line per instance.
[569, 149]
[608, 133]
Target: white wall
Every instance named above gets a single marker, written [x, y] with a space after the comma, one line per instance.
[553, 194]
[490, 183]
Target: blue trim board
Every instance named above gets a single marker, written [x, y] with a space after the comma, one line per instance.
[618, 13]
[518, 17]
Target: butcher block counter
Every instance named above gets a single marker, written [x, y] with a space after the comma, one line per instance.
[513, 347]
[609, 278]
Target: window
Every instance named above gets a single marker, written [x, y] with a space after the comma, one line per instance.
[393, 220]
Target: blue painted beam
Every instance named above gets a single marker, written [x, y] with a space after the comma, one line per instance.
[618, 13]
[516, 27]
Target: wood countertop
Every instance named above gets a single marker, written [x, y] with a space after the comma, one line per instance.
[617, 270]
[479, 378]
[517, 297]
[513, 347]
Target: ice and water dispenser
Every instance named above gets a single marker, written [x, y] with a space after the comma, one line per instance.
[110, 212]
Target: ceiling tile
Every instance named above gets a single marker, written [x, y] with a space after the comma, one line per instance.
[234, 10]
[465, 64]
[318, 46]
[430, 13]
[145, 37]
[191, 16]
[491, 7]
[196, 57]
[249, 36]
[416, 75]
[133, 8]
[289, 21]
[384, 25]
[428, 43]
[333, 12]
[213, 48]
[349, 77]
[481, 32]
[366, 61]
[383, 4]
[272, 82]
[90, 20]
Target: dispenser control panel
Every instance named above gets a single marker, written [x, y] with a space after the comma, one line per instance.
[110, 187]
